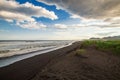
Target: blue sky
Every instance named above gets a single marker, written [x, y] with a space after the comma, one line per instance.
[51, 20]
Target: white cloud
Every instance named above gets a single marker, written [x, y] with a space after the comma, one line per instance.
[26, 9]
[74, 16]
[11, 10]
[15, 16]
[53, 3]
[31, 25]
[60, 26]
[9, 20]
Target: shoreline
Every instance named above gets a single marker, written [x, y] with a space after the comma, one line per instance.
[30, 47]
[6, 61]
[27, 68]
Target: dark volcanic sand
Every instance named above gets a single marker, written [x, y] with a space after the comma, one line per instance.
[28, 68]
[62, 64]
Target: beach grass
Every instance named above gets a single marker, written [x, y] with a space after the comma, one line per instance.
[104, 45]
[79, 52]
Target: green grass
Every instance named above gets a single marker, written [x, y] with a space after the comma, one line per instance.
[79, 52]
[109, 45]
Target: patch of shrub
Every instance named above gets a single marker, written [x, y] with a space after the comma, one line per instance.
[79, 52]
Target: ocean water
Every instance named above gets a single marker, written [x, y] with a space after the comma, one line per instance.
[13, 51]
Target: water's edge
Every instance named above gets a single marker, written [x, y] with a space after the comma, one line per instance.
[10, 60]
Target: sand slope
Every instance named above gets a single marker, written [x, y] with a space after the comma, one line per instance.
[93, 65]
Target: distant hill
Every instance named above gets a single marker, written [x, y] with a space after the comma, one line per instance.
[93, 38]
[112, 37]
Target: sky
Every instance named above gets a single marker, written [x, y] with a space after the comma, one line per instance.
[58, 19]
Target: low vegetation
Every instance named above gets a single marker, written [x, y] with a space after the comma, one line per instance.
[79, 52]
[104, 45]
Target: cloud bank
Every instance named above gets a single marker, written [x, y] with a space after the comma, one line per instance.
[60, 26]
[89, 8]
[23, 14]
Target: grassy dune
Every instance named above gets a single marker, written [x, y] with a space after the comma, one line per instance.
[108, 45]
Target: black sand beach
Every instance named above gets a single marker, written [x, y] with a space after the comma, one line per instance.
[63, 64]
[26, 69]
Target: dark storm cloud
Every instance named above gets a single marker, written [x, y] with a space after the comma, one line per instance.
[89, 8]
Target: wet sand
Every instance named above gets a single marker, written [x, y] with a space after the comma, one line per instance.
[63, 64]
